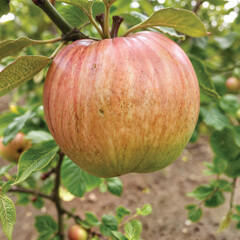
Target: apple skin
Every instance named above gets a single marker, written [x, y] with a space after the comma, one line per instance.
[122, 105]
[76, 232]
[13, 150]
[233, 84]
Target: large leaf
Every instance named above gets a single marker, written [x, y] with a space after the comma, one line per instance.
[205, 83]
[133, 229]
[38, 136]
[13, 47]
[4, 7]
[16, 125]
[85, 5]
[181, 20]
[7, 215]
[134, 18]
[76, 180]
[35, 159]
[20, 71]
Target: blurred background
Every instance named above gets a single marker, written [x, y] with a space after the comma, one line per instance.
[165, 190]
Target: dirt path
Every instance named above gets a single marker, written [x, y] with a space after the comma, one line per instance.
[165, 190]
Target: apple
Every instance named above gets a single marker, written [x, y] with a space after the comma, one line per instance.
[122, 105]
[233, 84]
[76, 232]
[13, 150]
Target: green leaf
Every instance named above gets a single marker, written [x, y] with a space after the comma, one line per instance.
[233, 168]
[5, 7]
[201, 192]
[219, 165]
[181, 20]
[23, 199]
[35, 159]
[92, 219]
[109, 224]
[224, 144]
[119, 236]
[230, 104]
[214, 117]
[222, 185]
[76, 180]
[194, 213]
[133, 229]
[216, 200]
[20, 71]
[146, 210]
[115, 186]
[46, 227]
[134, 18]
[38, 203]
[85, 5]
[74, 15]
[205, 83]
[38, 136]
[13, 47]
[121, 212]
[16, 125]
[7, 215]
[6, 186]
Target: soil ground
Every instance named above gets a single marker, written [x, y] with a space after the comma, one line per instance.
[165, 190]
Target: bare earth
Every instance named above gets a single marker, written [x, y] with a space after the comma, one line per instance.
[165, 190]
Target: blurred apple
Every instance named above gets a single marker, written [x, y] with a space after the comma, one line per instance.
[233, 84]
[238, 114]
[76, 232]
[13, 150]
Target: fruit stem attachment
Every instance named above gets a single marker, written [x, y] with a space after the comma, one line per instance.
[117, 21]
[57, 50]
[100, 19]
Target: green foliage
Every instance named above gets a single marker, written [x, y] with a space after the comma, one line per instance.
[114, 186]
[194, 212]
[76, 180]
[46, 227]
[5, 8]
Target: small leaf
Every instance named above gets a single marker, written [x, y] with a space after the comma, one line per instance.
[7, 215]
[181, 20]
[85, 5]
[109, 224]
[46, 226]
[219, 165]
[133, 229]
[121, 212]
[195, 213]
[146, 210]
[35, 159]
[4, 8]
[23, 199]
[6, 186]
[225, 222]
[20, 71]
[216, 200]
[76, 180]
[5, 119]
[38, 203]
[230, 104]
[201, 192]
[16, 125]
[205, 83]
[92, 219]
[119, 236]
[115, 186]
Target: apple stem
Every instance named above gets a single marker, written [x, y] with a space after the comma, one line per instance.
[100, 19]
[117, 21]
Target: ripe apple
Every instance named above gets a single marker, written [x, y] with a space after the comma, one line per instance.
[233, 84]
[76, 232]
[13, 150]
[122, 105]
